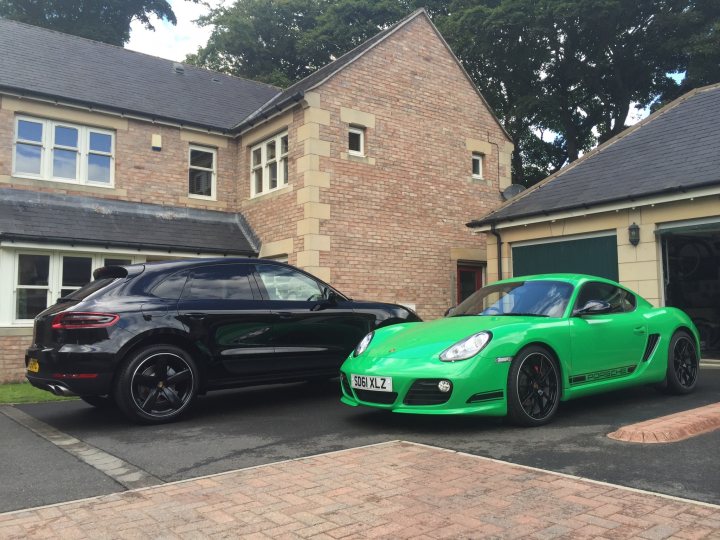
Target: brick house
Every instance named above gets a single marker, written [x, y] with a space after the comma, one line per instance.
[363, 173]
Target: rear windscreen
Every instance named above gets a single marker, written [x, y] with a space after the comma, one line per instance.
[86, 290]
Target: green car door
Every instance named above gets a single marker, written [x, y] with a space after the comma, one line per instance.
[606, 345]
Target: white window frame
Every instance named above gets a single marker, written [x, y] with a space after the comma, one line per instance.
[480, 158]
[213, 171]
[280, 159]
[48, 146]
[361, 132]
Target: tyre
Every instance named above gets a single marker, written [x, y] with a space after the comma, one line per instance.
[99, 402]
[683, 362]
[156, 384]
[534, 387]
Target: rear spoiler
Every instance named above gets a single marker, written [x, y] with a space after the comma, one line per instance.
[109, 272]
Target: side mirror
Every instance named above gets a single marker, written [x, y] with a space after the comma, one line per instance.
[593, 307]
[449, 311]
[331, 297]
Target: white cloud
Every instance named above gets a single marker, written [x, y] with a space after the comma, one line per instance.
[173, 42]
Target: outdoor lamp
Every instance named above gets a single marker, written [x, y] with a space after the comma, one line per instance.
[634, 234]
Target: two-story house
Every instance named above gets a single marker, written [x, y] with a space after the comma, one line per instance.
[363, 174]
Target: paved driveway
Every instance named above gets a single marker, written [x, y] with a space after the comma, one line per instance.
[237, 429]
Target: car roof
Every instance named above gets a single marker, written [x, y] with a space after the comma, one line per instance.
[575, 279]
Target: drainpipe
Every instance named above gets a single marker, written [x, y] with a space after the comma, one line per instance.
[499, 250]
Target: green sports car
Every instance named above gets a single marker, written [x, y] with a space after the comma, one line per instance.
[520, 346]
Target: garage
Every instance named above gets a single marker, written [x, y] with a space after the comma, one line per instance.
[691, 267]
[595, 255]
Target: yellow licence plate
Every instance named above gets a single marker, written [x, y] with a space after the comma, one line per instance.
[33, 365]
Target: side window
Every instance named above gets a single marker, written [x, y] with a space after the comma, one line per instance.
[621, 300]
[221, 282]
[171, 287]
[283, 283]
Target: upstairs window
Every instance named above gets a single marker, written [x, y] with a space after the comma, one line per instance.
[356, 141]
[269, 165]
[202, 172]
[477, 166]
[63, 152]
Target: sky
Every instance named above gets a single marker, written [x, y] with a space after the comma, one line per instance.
[173, 42]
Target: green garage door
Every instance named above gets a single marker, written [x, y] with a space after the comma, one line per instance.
[595, 256]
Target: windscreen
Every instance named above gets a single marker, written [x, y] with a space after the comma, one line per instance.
[89, 288]
[538, 298]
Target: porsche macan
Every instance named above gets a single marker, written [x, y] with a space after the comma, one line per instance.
[520, 346]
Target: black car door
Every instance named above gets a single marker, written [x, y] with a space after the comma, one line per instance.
[228, 320]
[313, 329]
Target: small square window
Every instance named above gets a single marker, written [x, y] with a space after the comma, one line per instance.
[477, 165]
[356, 141]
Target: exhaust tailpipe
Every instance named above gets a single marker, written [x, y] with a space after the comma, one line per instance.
[60, 390]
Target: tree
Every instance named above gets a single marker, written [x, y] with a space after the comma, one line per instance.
[562, 75]
[100, 20]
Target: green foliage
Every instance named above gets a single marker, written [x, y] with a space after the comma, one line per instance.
[26, 393]
[562, 75]
[100, 20]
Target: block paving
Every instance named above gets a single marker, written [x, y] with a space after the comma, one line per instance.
[673, 427]
[390, 490]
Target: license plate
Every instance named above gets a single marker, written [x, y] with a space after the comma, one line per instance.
[33, 365]
[377, 384]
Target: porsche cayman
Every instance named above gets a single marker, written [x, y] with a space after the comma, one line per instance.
[520, 346]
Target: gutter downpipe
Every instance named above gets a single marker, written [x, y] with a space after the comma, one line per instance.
[499, 250]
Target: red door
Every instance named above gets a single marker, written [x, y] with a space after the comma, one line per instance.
[469, 280]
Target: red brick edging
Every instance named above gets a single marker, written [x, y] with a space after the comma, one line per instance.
[671, 428]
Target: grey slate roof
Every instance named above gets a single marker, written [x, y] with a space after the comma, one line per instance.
[54, 218]
[677, 149]
[44, 63]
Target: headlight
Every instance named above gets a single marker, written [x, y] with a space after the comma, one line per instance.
[467, 348]
[363, 344]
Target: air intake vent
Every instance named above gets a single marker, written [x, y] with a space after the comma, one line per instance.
[651, 346]
[178, 68]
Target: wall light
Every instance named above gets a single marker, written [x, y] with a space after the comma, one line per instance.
[634, 234]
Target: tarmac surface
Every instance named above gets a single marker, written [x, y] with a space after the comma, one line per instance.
[390, 490]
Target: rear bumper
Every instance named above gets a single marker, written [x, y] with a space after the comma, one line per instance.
[98, 386]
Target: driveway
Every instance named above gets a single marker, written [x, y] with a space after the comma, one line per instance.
[243, 428]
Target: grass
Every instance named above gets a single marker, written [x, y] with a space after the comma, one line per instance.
[24, 392]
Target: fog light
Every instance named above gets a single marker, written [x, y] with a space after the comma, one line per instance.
[444, 386]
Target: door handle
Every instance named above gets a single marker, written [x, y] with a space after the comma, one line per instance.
[285, 314]
[196, 316]
[639, 330]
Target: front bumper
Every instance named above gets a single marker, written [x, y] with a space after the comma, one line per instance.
[479, 387]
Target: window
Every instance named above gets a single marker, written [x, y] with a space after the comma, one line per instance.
[283, 283]
[356, 141]
[202, 172]
[50, 150]
[38, 278]
[477, 166]
[221, 282]
[620, 300]
[269, 165]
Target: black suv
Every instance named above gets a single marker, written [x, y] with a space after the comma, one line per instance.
[150, 337]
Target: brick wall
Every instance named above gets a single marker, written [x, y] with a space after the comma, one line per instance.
[12, 357]
[141, 174]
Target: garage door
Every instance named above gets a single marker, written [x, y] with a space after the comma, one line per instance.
[596, 256]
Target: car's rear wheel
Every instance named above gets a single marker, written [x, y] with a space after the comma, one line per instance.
[683, 362]
[99, 402]
[533, 387]
[157, 384]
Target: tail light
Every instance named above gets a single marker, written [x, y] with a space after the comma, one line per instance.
[71, 320]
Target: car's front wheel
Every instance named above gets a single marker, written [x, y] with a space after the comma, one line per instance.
[156, 384]
[533, 387]
[683, 361]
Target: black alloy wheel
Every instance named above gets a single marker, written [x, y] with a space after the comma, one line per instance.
[157, 384]
[683, 361]
[533, 387]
